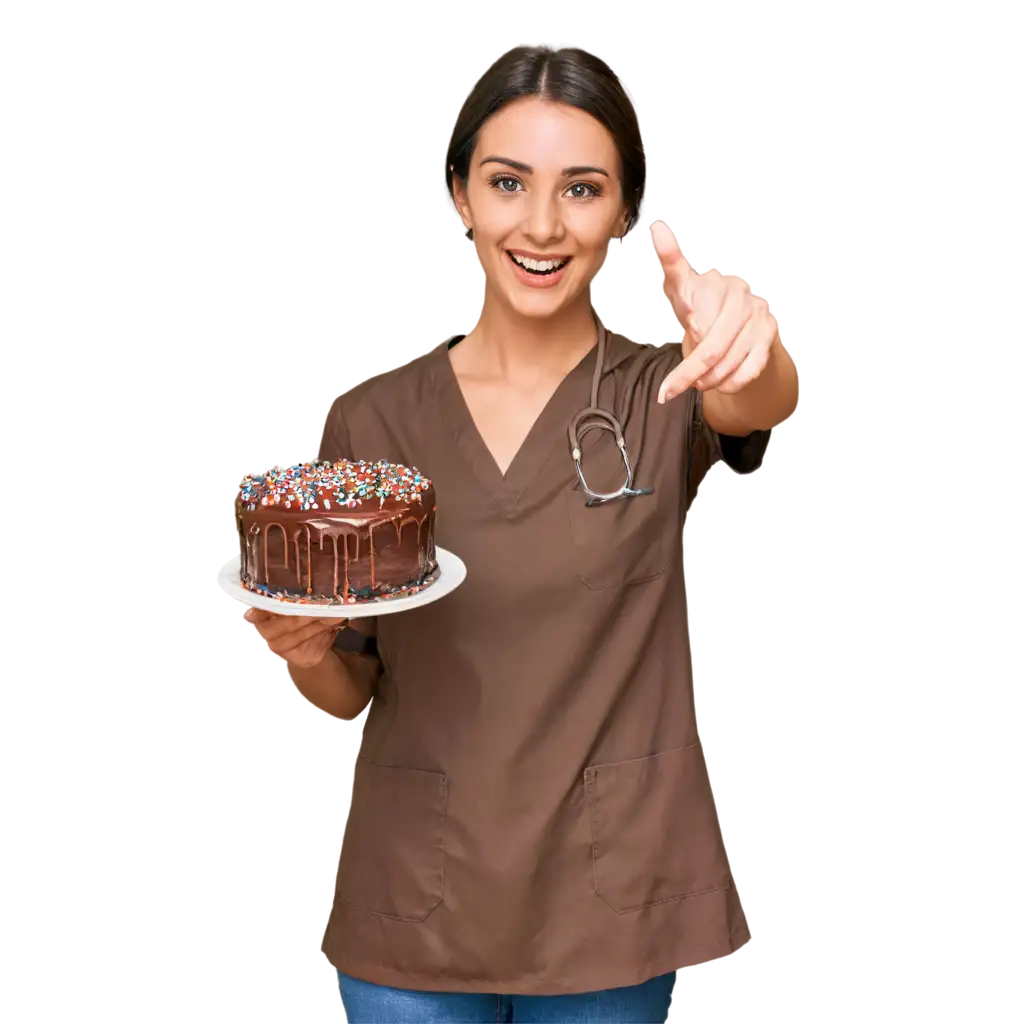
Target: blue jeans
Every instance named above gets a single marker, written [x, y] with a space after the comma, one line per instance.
[366, 1003]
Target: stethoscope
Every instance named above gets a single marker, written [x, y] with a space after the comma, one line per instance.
[602, 420]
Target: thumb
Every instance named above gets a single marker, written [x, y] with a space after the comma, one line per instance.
[673, 261]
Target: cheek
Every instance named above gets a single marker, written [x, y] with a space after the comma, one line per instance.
[592, 227]
[496, 218]
[591, 235]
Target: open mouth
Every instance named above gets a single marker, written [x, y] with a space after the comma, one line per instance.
[539, 268]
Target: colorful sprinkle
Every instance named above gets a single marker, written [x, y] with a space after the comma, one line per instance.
[347, 483]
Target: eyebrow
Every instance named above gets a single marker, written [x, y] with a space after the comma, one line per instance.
[527, 169]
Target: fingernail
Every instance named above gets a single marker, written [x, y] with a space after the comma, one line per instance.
[248, 615]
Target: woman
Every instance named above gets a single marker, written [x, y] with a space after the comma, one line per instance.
[532, 833]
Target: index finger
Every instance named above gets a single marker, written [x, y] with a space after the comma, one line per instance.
[690, 370]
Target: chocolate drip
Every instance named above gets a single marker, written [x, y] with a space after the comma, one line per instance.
[386, 564]
[373, 577]
[334, 541]
[344, 537]
[266, 547]
[309, 565]
[256, 551]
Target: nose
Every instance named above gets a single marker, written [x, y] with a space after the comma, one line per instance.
[543, 221]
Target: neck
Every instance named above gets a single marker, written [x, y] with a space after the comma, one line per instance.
[506, 344]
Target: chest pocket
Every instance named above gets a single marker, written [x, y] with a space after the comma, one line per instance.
[620, 542]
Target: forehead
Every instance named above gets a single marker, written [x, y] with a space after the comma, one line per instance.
[548, 136]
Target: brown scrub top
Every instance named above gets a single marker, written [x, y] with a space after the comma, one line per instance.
[531, 811]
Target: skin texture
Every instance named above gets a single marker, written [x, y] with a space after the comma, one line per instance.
[340, 683]
[731, 346]
[541, 210]
[300, 640]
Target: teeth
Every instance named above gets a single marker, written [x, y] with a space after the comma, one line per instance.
[525, 261]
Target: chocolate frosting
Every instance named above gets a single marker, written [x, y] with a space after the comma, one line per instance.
[336, 532]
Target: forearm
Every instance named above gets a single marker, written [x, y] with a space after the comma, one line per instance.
[765, 402]
[341, 684]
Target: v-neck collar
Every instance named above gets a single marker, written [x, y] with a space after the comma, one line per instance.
[548, 429]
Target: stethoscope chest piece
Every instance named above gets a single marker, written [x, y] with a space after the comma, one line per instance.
[627, 490]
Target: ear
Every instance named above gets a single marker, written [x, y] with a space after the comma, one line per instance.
[461, 200]
[620, 224]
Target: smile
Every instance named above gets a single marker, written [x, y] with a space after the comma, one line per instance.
[538, 267]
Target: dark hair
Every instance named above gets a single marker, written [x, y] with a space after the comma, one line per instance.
[569, 76]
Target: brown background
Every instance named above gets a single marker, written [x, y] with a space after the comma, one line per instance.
[206, 219]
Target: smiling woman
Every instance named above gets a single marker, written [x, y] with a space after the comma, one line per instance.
[544, 184]
[531, 816]
[577, 80]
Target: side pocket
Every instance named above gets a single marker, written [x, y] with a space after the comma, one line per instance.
[655, 830]
[393, 857]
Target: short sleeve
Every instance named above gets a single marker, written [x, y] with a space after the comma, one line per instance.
[335, 443]
[744, 454]
[706, 446]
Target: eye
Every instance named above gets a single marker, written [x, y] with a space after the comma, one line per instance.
[497, 182]
[594, 190]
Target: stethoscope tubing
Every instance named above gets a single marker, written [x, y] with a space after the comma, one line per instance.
[601, 419]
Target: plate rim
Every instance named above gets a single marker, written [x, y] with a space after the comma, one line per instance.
[453, 573]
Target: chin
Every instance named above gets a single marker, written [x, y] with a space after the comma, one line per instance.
[538, 309]
[541, 304]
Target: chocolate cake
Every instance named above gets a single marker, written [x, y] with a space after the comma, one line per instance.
[336, 532]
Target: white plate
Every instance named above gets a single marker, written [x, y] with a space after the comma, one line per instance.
[452, 573]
